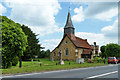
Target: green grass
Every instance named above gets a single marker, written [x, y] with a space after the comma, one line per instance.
[28, 67]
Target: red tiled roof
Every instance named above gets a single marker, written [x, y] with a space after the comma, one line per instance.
[79, 42]
[86, 51]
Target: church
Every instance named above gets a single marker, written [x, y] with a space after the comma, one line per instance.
[72, 47]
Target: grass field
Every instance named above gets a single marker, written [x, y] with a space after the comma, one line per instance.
[29, 67]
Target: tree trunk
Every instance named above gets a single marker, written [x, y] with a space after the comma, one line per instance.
[49, 56]
[20, 62]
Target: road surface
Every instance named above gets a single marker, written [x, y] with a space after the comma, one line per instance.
[109, 71]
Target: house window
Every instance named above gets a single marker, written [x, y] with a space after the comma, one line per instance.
[54, 54]
[66, 51]
[81, 51]
[66, 42]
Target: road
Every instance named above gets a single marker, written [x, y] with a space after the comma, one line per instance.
[109, 71]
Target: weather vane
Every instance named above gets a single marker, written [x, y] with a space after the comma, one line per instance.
[69, 9]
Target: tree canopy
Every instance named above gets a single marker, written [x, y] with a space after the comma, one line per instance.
[33, 48]
[44, 54]
[14, 41]
[112, 50]
[102, 49]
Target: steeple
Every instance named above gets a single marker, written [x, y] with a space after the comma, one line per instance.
[69, 29]
[69, 21]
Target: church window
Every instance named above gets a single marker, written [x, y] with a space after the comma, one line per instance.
[66, 51]
[54, 54]
[66, 42]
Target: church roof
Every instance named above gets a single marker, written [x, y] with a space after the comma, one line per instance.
[78, 42]
[69, 21]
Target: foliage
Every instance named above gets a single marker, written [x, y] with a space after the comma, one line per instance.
[33, 48]
[44, 54]
[86, 59]
[112, 50]
[90, 61]
[97, 59]
[15, 61]
[102, 49]
[14, 41]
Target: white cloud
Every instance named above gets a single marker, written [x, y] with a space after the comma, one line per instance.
[2, 9]
[37, 14]
[79, 14]
[51, 43]
[102, 11]
[111, 30]
[107, 15]
[42, 31]
[100, 39]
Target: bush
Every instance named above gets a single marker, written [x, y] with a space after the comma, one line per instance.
[90, 61]
[97, 59]
[86, 59]
[15, 61]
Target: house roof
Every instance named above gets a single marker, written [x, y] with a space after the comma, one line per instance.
[86, 51]
[78, 42]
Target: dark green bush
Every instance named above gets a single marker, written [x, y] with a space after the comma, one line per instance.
[86, 59]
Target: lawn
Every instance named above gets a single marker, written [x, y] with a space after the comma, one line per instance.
[29, 67]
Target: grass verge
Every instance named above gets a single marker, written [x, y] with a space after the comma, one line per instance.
[30, 67]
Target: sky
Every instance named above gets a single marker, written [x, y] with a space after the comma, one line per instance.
[94, 21]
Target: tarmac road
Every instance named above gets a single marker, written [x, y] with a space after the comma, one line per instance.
[109, 71]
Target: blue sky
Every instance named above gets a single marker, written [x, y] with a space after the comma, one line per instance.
[94, 21]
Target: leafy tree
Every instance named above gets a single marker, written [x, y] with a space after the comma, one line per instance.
[44, 54]
[102, 49]
[0, 41]
[47, 53]
[33, 47]
[14, 42]
[112, 50]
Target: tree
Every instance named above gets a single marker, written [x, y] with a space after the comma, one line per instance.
[14, 42]
[44, 54]
[102, 49]
[33, 47]
[112, 50]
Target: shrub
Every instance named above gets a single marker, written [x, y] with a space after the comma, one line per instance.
[86, 59]
[97, 59]
[90, 61]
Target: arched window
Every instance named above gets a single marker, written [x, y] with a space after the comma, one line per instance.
[66, 51]
[54, 54]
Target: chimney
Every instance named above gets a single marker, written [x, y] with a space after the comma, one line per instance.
[86, 39]
[95, 43]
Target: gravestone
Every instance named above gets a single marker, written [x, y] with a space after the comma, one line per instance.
[80, 60]
[52, 59]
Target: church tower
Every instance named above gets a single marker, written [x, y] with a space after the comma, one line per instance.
[69, 29]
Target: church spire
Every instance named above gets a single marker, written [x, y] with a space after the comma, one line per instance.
[69, 29]
[69, 21]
